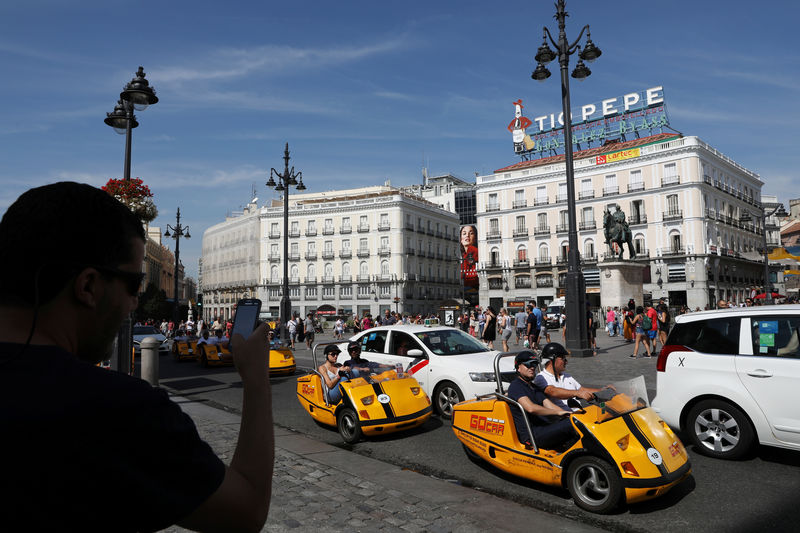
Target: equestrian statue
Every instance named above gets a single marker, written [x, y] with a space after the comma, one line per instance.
[616, 230]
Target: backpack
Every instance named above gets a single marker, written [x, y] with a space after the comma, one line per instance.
[647, 323]
[301, 331]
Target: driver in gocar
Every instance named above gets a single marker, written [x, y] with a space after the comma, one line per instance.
[539, 410]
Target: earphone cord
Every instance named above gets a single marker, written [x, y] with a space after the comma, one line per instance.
[35, 312]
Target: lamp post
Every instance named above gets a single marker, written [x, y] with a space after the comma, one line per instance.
[178, 231]
[577, 325]
[285, 180]
[137, 94]
[765, 214]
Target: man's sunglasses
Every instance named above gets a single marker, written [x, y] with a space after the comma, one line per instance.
[132, 280]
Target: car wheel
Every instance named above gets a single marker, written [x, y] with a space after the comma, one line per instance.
[594, 484]
[718, 429]
[347, 423]
[445, 396]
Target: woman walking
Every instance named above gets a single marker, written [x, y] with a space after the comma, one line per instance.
[473, 323]
[490, 329]
[641, 333]
[663, 324]
[505, 327]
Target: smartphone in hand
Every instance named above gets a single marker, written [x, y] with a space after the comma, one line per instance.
[246, 318]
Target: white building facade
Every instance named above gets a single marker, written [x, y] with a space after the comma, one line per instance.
[354, 251]
[682, 199]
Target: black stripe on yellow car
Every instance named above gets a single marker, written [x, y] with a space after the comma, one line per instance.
[643, 440]
[387, 407]
[395, 420]
[636, 483]
[512, 450]
[323, 407]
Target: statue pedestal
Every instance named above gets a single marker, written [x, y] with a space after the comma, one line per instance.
[619, 282]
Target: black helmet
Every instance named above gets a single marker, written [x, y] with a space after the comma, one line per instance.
[552, 350]
[332, 348]
[353, 344]
[527, 358]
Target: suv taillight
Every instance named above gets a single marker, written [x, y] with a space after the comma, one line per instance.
[661, 364]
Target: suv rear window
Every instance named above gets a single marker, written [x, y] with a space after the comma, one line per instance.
[716, 335]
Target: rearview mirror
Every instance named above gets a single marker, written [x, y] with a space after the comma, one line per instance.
[416, 352]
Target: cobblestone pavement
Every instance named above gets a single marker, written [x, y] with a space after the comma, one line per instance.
[321, 488]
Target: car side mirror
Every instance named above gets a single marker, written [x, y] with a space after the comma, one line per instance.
[416, 352]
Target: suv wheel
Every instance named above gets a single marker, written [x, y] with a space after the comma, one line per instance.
[718, 429]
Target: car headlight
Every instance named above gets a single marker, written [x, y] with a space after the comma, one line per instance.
[482, 376]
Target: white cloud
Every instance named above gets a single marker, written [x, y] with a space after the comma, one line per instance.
[229, 63]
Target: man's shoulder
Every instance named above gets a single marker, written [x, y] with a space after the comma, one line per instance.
[544, 379]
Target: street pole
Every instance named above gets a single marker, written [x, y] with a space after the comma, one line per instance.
[178, 231]
[577, 338]
[285, 180]
[137, 95]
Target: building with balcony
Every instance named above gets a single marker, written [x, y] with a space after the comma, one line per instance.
[350, 252]
[683, 201]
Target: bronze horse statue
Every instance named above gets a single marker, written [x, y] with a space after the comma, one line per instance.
[616, 230]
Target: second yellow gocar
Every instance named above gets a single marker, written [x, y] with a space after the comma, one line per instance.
[623, 453]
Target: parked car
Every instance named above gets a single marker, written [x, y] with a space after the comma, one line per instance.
[449, 364]
[141, 332]
[726, 378]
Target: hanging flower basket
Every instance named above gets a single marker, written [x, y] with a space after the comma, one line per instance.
[136, 195]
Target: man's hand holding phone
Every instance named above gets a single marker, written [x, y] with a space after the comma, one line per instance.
[250, 355]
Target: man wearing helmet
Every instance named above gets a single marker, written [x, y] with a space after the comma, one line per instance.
[557, 385]
[539, 410]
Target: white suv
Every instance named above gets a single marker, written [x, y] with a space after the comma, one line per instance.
[727, 379]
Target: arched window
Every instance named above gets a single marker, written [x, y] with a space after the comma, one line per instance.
[312, 270]
[384, 268]
[639, 244]
[522, 253]
[329, 270]
[294, 272]
[495, 256]
[675, 241]
[363, 269]
[273, 274]
[544, 252]
[588, 248]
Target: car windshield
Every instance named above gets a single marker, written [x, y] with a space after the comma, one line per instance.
[145, 330]
[621, 398]
[450, 341]
[554, 310]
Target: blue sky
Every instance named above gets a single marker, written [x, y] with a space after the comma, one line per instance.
[365, 91]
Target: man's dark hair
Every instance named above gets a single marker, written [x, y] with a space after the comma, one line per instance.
[52, 231]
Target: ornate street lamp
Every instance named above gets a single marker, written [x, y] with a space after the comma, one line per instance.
[577, 325]
[138, 95]
[178, 231]
[285, 180]
[774, 209]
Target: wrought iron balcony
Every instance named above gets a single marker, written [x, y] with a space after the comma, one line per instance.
[492, 207]
[274, 258]
[541, 201]
[560, 198]
[520, 232]
[274, 234]
[311, 232]
[562, 228]
[328, 254]
[670, 180]
[311, 256]
[640, 219]
[520, 204]
[294, 233]
[673, 214]
[346, 229]
[587, 225]
[542, 261]
[345, 254]
[638, 186]
[384, 250]
[522, 263]
[363, 252]
[494, 235]
[585, 195]
[384, 226]
[541, 230]
[363, 228]
[610, 191]
[327, 230]
[294, 256]
[328, 279]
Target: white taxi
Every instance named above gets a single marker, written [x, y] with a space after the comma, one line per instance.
[449, 364]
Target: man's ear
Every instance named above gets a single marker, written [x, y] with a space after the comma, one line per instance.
[86, 287]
